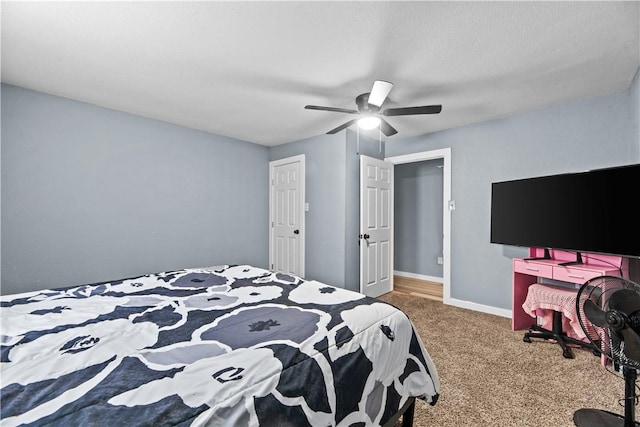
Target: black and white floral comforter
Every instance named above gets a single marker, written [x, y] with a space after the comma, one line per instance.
[228, 346]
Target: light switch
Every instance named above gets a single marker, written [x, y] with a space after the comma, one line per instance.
[306, 207]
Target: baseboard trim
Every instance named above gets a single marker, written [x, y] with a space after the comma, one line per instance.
[457, 302]
[480, 307]
[417, 276]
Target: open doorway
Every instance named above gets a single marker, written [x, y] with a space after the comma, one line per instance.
[444, 155]
[418, 259]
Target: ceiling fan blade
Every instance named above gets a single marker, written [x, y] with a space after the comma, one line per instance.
[379, 92]
[386, 128]
[335, 109]
[342, 126]
[594, 313]
[408, 111]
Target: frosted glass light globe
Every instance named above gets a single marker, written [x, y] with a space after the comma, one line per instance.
[369, 122]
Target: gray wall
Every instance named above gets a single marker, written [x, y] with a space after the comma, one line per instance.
[418, 198]
[325, 193]
[585, 134]
[91, 194]
[333, 193]
[634, 94]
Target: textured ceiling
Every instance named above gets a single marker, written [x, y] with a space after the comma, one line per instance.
[247, 69]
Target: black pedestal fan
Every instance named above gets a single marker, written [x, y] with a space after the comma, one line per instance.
[608, 309]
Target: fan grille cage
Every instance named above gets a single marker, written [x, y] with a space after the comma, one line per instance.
[599, 290]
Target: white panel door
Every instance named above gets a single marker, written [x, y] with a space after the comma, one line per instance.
[376, 221]
[286, 252]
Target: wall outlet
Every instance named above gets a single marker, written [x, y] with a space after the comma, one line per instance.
[440, 260]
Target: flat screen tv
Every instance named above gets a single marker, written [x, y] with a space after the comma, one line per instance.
[591, 212]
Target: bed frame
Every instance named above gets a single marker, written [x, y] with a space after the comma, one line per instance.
[406, 412]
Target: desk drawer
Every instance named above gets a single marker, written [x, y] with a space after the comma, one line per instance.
[574, 275]
[533, 268]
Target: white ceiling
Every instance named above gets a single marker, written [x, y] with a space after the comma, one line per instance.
[247, 69]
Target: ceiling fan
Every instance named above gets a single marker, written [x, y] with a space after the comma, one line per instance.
[369, 110]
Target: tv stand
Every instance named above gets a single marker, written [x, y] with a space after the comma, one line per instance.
[547, 255]
[578, 260]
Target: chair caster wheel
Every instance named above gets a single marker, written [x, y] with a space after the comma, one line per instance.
[596, 353]
[526, 339]
[566, 353]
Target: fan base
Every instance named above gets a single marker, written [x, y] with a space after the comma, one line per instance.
[599, 418]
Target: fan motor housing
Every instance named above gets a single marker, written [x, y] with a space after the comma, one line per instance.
[615, 319]
[362, 101]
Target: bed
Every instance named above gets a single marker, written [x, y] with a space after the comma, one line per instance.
[232, 345]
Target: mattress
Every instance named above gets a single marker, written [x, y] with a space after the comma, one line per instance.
[231, 345]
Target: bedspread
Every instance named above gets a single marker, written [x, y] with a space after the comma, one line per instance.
[226, 345]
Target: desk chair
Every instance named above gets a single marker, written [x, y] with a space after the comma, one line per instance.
[562, 303]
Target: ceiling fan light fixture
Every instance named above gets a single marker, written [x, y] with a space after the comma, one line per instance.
[369, 122]
[369, 115]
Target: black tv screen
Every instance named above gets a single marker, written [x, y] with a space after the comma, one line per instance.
[593, 211]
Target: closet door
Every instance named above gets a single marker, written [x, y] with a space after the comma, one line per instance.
[286, 234]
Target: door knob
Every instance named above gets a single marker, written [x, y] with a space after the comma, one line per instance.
[364, 236]
[296, 231]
